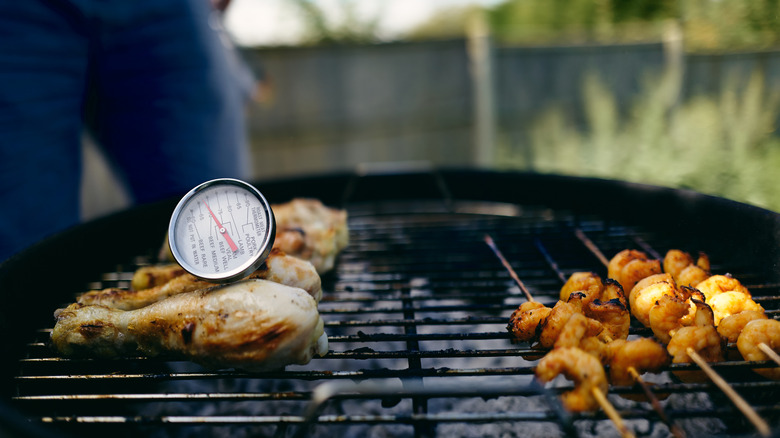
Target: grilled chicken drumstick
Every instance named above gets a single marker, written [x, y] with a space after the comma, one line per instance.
[251, 325]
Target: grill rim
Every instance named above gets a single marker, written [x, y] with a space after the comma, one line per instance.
[632, 202]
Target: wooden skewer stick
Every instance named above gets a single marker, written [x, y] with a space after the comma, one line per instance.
[673, 428]
[769, 352]
[591, 246]
[613, 414]
[512, 273]
[739, 402]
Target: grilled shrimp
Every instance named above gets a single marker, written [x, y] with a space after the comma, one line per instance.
[642, 354]
[524, 322]
[666, 316]
[597, 347]
[731, 326]
[614, 291]
[613, 316]
[685, 272]
[587, 283]
[642, 300]
[717, 284]
[703, 262]
[729, 303]
[576, 329]
[559, 316]
[702, 339]
[761, 331]
[584, 369]
[675, 261]
[692, 275]
[696, 301]
[629, 266]
[704, 316]
[647, 281]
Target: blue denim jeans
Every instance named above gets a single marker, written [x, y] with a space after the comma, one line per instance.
[150, 80]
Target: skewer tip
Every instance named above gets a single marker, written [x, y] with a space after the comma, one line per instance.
[611, 412]
[761, 426]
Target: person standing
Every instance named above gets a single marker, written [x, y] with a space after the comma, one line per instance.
[151, 82]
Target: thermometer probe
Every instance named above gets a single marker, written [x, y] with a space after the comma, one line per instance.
[222, 230]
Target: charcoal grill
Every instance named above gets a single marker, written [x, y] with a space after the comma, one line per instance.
[415, 310]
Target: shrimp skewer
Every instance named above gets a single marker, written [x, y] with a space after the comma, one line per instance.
[688, 342]
[759, 340]
[630, 266]
[769, 352]
[688, 274]
[587, 283]
[685, 272]
[532, 315]
[512, 273]
[630, 369]
[590, 382]
[673, 428]
[739, 402]
[643, 353]
[526, 319]
[731, 326]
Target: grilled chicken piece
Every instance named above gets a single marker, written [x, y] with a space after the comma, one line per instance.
[278, 267]
[252, 325]
[150, 276]
[308, 229]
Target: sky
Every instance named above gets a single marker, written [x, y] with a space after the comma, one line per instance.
[277, 22]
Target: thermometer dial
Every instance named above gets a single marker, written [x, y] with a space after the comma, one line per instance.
[222, 230]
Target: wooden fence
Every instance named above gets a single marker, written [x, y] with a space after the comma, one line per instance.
[333, 108]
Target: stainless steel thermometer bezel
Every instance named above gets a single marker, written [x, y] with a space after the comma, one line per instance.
[245, 268]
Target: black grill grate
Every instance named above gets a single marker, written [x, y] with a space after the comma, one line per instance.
[416, 312]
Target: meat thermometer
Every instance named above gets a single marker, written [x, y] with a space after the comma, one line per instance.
[222, 230]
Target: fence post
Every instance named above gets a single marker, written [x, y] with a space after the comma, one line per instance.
[674, 57]
[480, 54]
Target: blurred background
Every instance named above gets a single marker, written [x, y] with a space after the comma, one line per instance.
[681, 93]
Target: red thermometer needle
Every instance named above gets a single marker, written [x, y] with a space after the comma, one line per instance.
[222, 229]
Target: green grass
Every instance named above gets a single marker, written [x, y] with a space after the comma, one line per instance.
[724, 145]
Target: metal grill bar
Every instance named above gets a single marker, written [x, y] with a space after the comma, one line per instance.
[417, 299]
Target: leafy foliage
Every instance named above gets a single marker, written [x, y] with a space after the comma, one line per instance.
[350, 28]
[721, 145]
